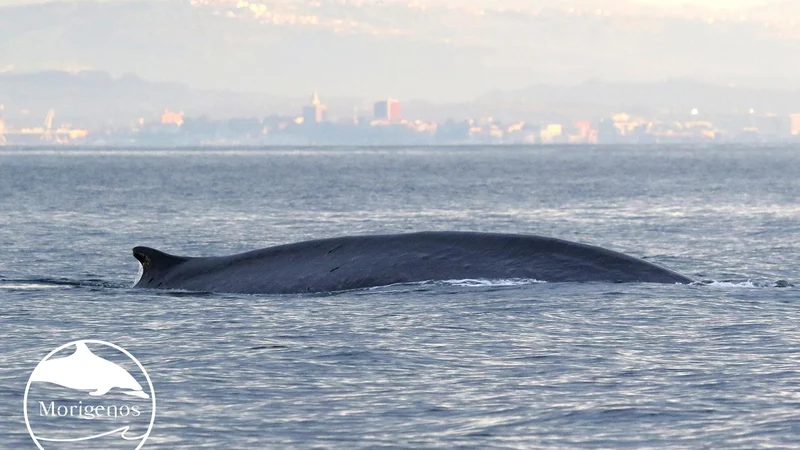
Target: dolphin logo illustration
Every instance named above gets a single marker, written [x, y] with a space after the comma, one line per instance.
[85, 371]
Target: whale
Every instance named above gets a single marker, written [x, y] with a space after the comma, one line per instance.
[355, 262]
[85, 371]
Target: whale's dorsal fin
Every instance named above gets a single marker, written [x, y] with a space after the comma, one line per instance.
[155, 262]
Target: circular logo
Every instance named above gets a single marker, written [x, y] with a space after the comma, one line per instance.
[92, 391]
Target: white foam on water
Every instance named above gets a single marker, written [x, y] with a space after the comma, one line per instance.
[746, 284]
[483, 282]
[469, 282]
[30, 286]
[732, 284]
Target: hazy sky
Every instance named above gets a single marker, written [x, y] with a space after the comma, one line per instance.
[386, 50]
[707, 3]
[716, 4]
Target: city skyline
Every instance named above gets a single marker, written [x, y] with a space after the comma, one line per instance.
[86, 96]
[547, 70]
[312, 125]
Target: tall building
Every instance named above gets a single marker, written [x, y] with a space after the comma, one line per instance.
[795, 124]
[172, 118]
[2, 127]
[316, 112]
[621, 123]
[551, 132]
[389, 110]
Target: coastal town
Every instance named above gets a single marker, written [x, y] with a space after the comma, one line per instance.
[386, 125]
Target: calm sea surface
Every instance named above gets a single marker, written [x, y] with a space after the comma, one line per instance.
[483, 364]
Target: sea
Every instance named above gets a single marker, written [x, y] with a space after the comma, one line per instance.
[483, 364]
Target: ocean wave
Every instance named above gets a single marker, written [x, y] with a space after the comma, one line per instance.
[468, 282]
[56, 283]
[747, 284]
[30, 286]
[485, 282]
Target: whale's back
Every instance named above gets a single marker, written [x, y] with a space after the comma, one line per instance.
[364, 261]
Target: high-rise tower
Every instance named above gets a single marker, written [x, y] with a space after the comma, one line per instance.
[389, 110]
[316, 112]
[2, 127]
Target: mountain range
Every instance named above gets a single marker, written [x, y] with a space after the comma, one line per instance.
[436, 51]
[95, 98]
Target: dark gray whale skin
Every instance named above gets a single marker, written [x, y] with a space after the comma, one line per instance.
[353, 262]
